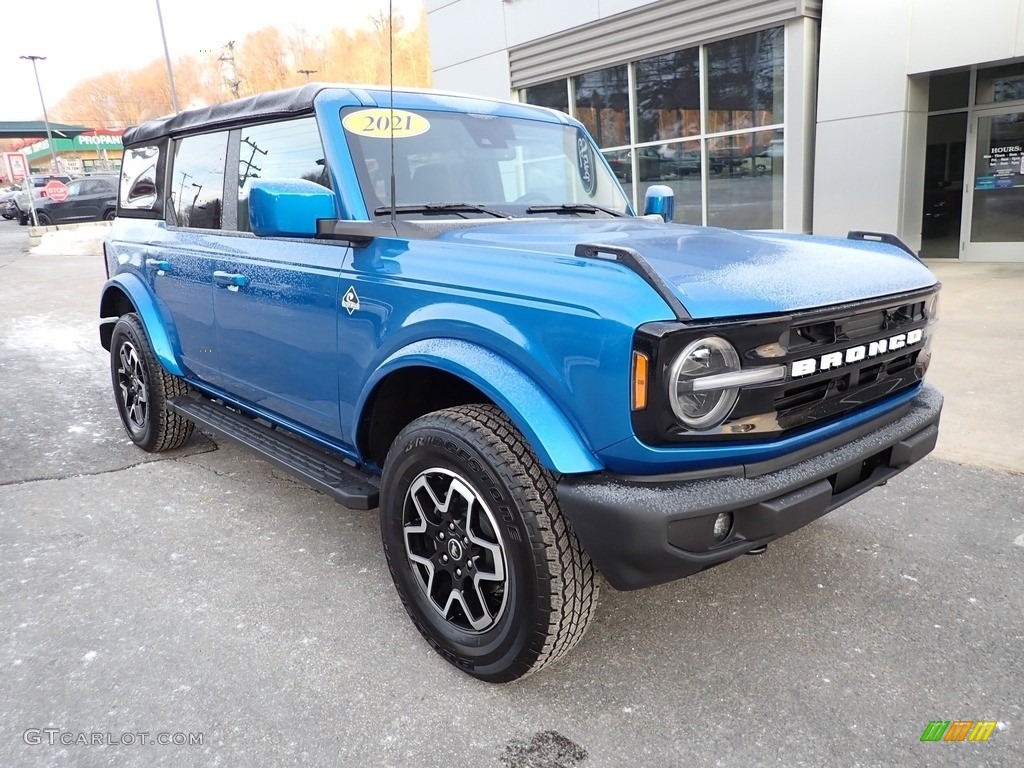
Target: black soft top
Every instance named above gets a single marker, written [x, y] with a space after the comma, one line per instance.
[263, 105]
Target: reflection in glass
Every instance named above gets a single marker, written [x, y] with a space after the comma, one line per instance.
[197, 181]
[745, 181]
[745, 81]
[138, 178]
[996, 84]
[668, 96]
[943, 181]
[602, 105]
[998, 212]
[286, 150]
[679, 169]
[554, 95]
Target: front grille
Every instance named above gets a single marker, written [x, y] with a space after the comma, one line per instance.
[808, 395]
[804, 400]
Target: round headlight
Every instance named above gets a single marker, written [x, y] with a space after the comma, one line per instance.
[698, 407]
[931, 307]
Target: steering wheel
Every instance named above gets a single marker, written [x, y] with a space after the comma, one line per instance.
[532, 197]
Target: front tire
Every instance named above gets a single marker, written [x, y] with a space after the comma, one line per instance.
[487, 567]
[142, 388]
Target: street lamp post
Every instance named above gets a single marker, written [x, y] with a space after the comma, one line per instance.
[49, 138]
[42, 102]
[167, 58]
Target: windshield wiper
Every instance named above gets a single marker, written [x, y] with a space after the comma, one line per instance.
[572, 208]
[437, 209]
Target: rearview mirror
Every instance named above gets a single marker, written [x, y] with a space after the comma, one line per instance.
[661, 201]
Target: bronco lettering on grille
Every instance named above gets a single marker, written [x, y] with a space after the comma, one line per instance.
[855, 354]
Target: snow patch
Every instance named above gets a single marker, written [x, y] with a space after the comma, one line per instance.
[1019, 541]
[89, 657]
[83, 241]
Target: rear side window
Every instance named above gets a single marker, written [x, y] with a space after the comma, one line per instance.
[139, 188]
[197, 180]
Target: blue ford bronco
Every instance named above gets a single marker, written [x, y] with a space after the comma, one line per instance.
[445, 307]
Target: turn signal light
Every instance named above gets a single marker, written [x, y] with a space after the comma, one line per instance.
[640, 365]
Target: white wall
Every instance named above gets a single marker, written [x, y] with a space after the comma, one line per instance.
[469, 39]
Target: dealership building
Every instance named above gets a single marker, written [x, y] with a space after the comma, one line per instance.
[823, 116]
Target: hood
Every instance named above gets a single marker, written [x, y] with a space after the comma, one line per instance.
[719, 273]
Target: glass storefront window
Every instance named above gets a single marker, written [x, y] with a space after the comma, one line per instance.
[998, 84]
[554, 95]
[743, 96]
[745, 183]
[998, 209]
[676, 165]
[745, 81]
[602, 104]
[668, 96]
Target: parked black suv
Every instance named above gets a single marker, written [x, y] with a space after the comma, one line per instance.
[93, 198]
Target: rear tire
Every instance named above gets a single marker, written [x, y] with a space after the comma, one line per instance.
[44, 220]
[487, 567]
[110, 215]
[142, 388]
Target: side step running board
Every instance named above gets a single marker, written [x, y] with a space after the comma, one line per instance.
[332, 475]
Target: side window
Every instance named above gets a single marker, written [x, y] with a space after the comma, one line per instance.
[197, 180]
[139, 188]
[285, 150]
[76, 188]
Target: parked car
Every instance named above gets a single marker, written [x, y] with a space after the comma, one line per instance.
[7, 206]
[652, 164]
[92, 198]
[445, 307]
[23, 201]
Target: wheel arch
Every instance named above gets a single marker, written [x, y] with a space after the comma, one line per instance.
[448, 372]
[127, 293]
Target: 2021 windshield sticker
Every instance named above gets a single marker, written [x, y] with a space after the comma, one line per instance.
[381, 123]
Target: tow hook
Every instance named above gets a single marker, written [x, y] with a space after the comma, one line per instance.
[758, 550]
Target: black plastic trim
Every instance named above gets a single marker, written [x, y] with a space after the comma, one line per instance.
[638, 264]
[328, 473]
[881, 237]
[644, 533]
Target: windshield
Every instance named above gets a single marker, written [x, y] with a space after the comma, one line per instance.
[501, 164]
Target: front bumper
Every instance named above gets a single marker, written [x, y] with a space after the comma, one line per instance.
[641, 531]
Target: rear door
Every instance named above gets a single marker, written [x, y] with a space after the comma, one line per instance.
[180, 268]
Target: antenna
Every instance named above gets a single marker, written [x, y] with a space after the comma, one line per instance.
[391, 113]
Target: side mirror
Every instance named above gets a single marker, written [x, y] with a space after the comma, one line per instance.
[288, 208]
[660, 200]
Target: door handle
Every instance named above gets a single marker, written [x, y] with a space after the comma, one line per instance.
[158, 264]
[230, 279]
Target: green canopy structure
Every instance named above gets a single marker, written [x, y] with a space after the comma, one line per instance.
[36, 129]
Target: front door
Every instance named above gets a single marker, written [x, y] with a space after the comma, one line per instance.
[993, 221]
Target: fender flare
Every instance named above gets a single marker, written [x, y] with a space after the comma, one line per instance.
[557, 443]
[152, 320]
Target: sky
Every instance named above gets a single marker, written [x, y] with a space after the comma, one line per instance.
[83, 39]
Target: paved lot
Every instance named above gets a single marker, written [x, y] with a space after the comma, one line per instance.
[204, 592]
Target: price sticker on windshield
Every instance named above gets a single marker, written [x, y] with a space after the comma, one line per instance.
[385, 123]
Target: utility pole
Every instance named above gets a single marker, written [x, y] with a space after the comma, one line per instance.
[228, 73]
[307, 72]
[167, 58]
